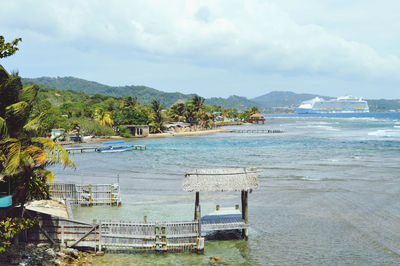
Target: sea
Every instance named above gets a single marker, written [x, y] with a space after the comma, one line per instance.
[329, 190]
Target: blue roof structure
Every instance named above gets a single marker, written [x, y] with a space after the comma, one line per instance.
[5, 201]
[113, 142]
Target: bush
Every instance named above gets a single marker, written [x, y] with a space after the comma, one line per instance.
[125, 132]
[9, 227]
[93, 128]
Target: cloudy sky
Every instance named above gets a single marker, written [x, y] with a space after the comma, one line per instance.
[212, 47]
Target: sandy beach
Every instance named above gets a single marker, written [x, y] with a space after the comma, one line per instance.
[156, 135]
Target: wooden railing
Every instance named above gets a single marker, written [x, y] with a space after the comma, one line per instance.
[87, 195]
[119, 235]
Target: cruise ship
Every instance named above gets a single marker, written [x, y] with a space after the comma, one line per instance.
[344, 104]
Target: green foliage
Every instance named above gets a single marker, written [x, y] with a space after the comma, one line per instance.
[93, 128]
[8, 48]
[244, 116]
[9, 227]
[130, 117]
[177, 112]
[24, 155]
[124, 131]
[156, 119]
[143, 94]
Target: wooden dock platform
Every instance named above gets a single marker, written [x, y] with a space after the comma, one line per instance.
[87, 195]
[257, 131]
[97, 148]
[223, 219]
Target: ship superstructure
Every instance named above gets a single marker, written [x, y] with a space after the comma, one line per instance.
[344, 104]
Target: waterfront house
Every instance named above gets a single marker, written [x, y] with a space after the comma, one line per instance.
[139, 130]
[257, 119]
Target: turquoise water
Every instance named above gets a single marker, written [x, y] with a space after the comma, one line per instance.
[328, 190]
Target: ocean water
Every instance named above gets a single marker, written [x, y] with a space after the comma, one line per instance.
[329, 190]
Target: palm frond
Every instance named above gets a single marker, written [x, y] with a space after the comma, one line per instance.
[45, 174]
[45, 143]
[34, 124]
[16, 116]
[3, 128]
[64, 156]
[38, 155]
[13, 157]
[29, 93]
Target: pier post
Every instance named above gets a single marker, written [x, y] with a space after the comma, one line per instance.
[244, 197]
[197, 206]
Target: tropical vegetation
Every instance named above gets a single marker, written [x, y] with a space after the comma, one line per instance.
[24, 153]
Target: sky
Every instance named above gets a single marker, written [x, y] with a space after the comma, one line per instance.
[214, 48]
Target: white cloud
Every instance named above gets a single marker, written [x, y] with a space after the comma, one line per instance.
[249, 35]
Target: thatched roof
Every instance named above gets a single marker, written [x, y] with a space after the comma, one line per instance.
[257, 115]
[220, 179]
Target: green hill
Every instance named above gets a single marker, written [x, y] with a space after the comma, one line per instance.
[144, 94]
[240, 103]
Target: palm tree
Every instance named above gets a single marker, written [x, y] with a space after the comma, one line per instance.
[177, 112]
[103, 117]
[129, 103]
[23, 155]
[198, 103]
[157, 119]
[190, 114]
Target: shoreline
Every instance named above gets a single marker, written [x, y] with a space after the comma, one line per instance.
[153, 135]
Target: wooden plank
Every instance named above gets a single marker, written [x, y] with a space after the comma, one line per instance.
[85, 235]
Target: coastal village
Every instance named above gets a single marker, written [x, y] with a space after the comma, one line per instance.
[199, 133]
[35, 211]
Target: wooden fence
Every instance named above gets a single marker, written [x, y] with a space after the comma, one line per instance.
[87, 195]
[119, 235]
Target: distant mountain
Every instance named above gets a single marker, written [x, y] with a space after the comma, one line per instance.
[287, 99]
[383, 105]
[144, 94]
[275, 101]
[238, 102]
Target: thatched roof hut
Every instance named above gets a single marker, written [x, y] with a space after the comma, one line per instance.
[220, 179]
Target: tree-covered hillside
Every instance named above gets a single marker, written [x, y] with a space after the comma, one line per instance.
[144, 94]
[240, 103]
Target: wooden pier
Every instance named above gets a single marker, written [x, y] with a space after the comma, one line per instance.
[81, 149]
[87, 195]
[178, 236]
[220, 180]
[118, 235]
[97, 148]
[139, 147]
[257, 131]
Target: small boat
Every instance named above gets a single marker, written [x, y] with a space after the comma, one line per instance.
[114, 148]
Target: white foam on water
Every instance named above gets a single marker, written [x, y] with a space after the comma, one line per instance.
[388, 133]
[329, 128]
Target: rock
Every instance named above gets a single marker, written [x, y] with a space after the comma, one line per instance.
[60, 254]
[217, 260]
[43, 245]
[57, 262]
[50, 252]
[71, 252]
[100, 253]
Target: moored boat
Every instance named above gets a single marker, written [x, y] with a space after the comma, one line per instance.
[115, 148]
